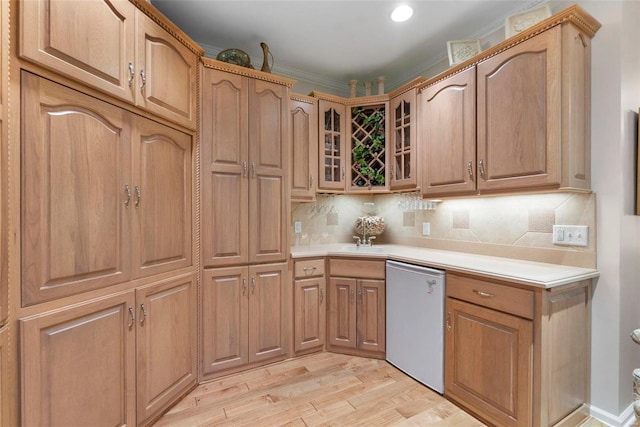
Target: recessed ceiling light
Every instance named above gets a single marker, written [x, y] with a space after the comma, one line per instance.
[401, 13]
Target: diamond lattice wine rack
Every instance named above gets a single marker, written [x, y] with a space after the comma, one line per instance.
[368, 146]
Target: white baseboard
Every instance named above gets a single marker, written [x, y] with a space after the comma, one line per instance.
[626, 419]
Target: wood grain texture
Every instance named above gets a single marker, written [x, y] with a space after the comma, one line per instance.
[310, 314]
[403, 149]
[304, 148]
[319, 389]
[362, 269]
[332, 153]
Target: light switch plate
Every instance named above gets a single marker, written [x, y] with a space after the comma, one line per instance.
[297, 227]
[571, 235]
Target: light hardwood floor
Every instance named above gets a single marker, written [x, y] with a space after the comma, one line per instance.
[320, 389]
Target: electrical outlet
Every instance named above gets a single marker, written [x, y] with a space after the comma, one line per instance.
[571, 235]
[297, 227]
[426, 228]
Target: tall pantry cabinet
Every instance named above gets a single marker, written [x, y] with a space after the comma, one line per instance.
[4, 211]
[106, 296]
[244, 209]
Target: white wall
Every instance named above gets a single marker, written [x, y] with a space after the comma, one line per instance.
[616, 301]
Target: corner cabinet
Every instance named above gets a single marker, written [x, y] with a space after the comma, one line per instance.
[244, 166]
[528, 98]
[303, 124]
[515, 355]
[356, 316]
[95, 42]
[116, 193]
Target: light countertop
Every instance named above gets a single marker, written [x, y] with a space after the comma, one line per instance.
[517, 271]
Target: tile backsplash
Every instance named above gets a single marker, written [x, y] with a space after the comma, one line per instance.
[512, 226]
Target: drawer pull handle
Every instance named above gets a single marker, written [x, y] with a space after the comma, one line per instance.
[132, 317]
[448, 321]
[321, 295]
[484, 294]
[309, 269]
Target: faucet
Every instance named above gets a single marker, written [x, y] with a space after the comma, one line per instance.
[363, 241]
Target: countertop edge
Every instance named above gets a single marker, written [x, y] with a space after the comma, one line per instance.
[565, 274]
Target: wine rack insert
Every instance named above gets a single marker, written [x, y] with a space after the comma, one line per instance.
[368, 146]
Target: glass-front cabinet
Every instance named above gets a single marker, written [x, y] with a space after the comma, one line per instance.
[332, 168]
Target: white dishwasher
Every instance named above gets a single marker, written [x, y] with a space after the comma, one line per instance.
[415, 322]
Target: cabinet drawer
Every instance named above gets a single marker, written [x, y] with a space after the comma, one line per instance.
[362, 269]
[519, 302]
[309, 268]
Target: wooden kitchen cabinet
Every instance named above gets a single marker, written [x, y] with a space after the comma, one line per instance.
[95, 42]
[332, 150]
[357, 307]
[243, 318]
[108, 360]
[4, 161]
[529, 126]
[79, 364]
[166, 341]
[309, 307]
[518, 356]
[245, 195]
[403, 151]
[111, 203]
[304, 147]
[449, 136]
[519, 112]
[5, 381]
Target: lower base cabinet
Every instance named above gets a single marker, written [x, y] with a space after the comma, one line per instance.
[4, 381]
[82, 365]
[357, 307]
[244, 317]
[309, 306]
[518, 356]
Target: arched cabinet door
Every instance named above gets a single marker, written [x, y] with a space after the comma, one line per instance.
[161, 198]
[76, 177]
[519, 115]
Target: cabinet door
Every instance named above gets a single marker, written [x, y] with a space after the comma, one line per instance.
[75, 207]
[79, 365]
[519, 115]
[332, 149]
[489, 363]
[224, 319]
[309, 314]
[268, 185]
[92, 41]
[404, 144]
[449, 132]
[166, 344]
[4, 194]
[268, 312]
[371, 315]
[167, 74]
[304, 149]
[224, 171]
[342, 312]
[161, 198]
[5, 396]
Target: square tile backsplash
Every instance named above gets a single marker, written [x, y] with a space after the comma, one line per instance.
[515, 226]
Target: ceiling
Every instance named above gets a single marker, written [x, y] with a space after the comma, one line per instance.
[336, 41]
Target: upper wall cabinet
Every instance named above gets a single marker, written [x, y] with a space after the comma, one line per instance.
[532, 107]
[303, 125]
[332, 148]
[116, 48]
[403, 151]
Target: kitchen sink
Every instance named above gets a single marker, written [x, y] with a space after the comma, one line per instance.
[362, 249]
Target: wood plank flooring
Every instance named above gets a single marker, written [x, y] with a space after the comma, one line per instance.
[319, 389]
[322, 389]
